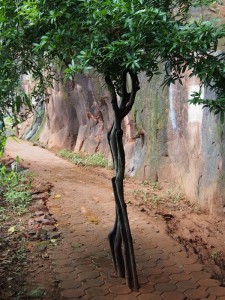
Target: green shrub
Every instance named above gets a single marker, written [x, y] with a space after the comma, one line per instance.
[18, 194]
[15, 190]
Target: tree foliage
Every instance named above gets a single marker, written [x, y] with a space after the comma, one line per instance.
[117, 39]
[108, 36]
[16, 59]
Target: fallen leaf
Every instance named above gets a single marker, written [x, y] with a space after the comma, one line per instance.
[93, 220]
[12, 229]
[54, 241]
[57, 196]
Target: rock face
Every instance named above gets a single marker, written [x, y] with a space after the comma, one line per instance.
[78, 116]
[165, 138]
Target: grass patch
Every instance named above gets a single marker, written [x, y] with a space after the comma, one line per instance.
[93, 160]
[145, 196]
[155, 195]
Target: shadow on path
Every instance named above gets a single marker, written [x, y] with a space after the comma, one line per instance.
[85, 215]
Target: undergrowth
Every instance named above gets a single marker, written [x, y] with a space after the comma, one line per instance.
[15, 197]
[15, 191]
[15, 187]
[153, 194]
[94, 160]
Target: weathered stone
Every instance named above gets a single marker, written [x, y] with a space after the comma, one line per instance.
[53, 235]
[43, 196]
[41, 247]
[163, 136]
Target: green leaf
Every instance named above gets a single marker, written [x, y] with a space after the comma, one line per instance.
[36, 293]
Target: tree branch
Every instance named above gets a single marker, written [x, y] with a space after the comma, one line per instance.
[135, 88]
[112, 91]
[125, 94]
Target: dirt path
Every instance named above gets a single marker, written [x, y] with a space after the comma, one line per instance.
[83, 205]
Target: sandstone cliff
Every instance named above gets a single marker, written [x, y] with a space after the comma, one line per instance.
[165, 138]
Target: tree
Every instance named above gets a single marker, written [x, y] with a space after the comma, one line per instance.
[117, 39]
[17, 58]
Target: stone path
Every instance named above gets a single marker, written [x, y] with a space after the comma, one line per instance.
[83, 205]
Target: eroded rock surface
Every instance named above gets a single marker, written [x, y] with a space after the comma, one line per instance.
[165, 138]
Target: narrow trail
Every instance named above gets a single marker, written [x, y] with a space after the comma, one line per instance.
[85, 214]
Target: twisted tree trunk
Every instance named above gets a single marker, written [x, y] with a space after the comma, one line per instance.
[120, 238]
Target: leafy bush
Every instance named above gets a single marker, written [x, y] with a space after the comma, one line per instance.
[15, 190]
[18, 194]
